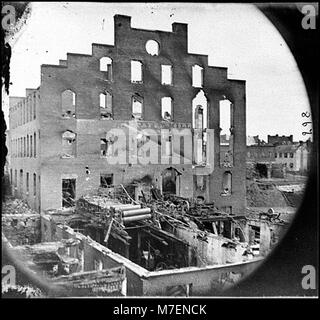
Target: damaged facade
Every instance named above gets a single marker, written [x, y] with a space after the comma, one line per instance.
[153, 90]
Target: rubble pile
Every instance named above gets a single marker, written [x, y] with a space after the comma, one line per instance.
[20, 224]
[257, 197]
[16, 206]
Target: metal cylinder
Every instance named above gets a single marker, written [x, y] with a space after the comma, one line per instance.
[136, 212]
[136, 218]
[126, 207]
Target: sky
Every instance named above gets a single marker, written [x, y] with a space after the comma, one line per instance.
[237, 36]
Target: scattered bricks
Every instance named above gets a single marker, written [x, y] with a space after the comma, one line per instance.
[20, 224]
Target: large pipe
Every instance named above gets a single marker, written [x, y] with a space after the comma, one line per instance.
[126, 207]
[136, 212]
[136, 218]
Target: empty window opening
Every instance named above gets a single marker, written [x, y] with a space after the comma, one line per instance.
[27, 182]
[199, 111]
[106, 66]
[200, 182]
[225, 119]
[169, 180]
[167, 145]
[68, 192]
[34, 184]
[136, 71]
[197, 76]
[262, 170]
[106, 180]
[21, 181]
[68, 101]
[166, 74]
[226, 133]
[254, 239]
[166, 108]
[34, 106]
[106, 147]
[137, 105]
[199, 123]
[31, 147]
[106, 105]
[24, 146]
[68, 144]
[152, 47]
[27, 145]
[15, 178]
[142, 139]
[199, 117]
[226, 183]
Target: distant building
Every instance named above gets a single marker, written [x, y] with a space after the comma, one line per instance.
[276, 140]
[278, 156]
[295, 157]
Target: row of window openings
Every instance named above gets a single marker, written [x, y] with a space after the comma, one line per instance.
[285, 155]
[106, 106]
[25, 112]
[24, 147]
[166, 72]
[69, 189]
[256, 154]
[15, 182]
[107, 147]
[276, 155]
[107, 180]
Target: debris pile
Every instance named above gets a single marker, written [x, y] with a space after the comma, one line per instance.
[257, 197]
[16, 206]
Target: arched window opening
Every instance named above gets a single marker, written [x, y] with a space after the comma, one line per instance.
[137, 107]
[166, 108]
[68, 100]
[106, 66]
[106, 111]
[226, 133]
[68, 144]
[226, 183]
[199, 123]
[170, 181]
[199, 106]
[197, 76]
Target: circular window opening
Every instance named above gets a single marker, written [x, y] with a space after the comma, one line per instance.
[152, 47]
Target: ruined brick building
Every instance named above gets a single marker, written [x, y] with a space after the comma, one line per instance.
[149, 88]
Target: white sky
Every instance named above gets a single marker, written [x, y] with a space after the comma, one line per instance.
[236, 36]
